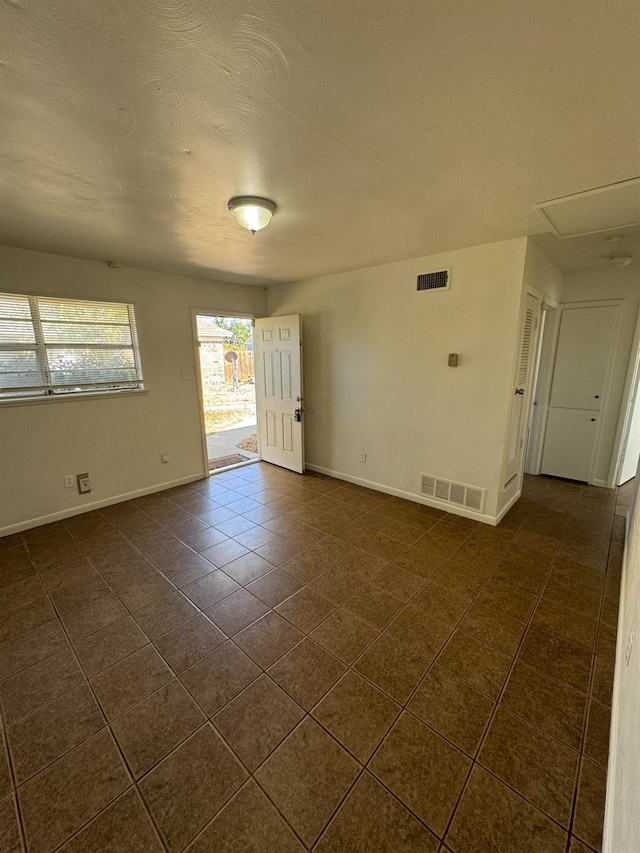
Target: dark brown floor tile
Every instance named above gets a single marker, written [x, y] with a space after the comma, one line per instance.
[29, 689]
[306, 777]
[492, 626]
[445, 605]
[161, 616]
[421, 632]
[248, 568]
[550, 704]
[68, 793]
[492, 817]
[357, 714]
[453, 708]
[306, 673]
[507, 599]
[219, 676]
[123, 826]
[392, 667]
[344, 634]
[598, 728]
[78, 594]
[525, 578]
[224, 553]
[374, 606]
[481, 666]
[189, 642]
[461, 580]
[589, 816]
[257, 720]
[109, 645]
[603, 679]
[423, 770]
[556, 656]
[190, 786]
[92, 617]
[54, 729]
[337, 585]
[210, 589]
[399, 583]
[577, 846]
[150, 730]
[268, 639]
[255, 537]
[10, 841]
[566, 623]
[539, 767]
[36, 611]
[248, 823]
[306, 609]
[143, 591]
[130, 681]
[6, 783]
[372, 821]
[236, 612]
[362, 565]
[274, 587]
[32, 647]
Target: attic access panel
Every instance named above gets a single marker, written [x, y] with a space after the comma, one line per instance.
[593, 211]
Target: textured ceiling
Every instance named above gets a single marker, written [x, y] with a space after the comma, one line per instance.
[382, 130]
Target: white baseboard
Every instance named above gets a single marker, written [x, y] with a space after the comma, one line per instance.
[610, 805]
[409, 496]
[78, 510]
[516, 497]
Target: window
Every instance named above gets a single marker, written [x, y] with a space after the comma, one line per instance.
[53, 347]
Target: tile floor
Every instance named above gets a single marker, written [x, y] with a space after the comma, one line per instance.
[267, 662]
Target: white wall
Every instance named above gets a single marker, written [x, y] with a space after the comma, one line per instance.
[609, 283]
[117, 440]
[376, 374]
[622, 816]
[542, 273]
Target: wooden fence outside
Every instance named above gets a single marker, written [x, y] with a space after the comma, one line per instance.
[246, 367]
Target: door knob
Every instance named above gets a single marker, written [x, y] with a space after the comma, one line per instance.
[593, 419]
[297, 415]
[520, 391]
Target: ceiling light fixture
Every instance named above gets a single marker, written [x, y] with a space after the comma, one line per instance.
[619, 260]
[252, 212]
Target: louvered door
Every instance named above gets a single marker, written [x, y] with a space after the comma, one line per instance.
[522, 392]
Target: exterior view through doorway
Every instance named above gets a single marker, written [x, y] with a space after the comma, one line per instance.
[228, 390]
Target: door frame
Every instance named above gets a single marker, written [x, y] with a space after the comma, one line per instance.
[211, 312]
[606, 391]
[547, 345]
[629, 394]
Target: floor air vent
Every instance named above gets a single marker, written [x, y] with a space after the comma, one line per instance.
[453, 493]
[437, 280]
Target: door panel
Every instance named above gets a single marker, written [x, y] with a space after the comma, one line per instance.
[277, 343]
[522, 391]
[582, 357]
[570, 443]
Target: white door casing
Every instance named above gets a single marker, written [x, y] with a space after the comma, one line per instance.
[278, 363]
[521, 400]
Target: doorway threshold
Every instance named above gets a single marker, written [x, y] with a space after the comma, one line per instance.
[227, 463]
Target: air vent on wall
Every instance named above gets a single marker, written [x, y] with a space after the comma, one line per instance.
[453, 493]
[436, 280]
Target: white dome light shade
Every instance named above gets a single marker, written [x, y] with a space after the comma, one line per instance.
[252, 212]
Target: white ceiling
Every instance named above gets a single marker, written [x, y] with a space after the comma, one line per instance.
[382, 130]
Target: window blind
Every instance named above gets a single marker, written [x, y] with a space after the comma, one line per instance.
[66, 346]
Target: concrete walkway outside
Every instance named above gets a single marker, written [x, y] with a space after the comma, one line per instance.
[224, 443]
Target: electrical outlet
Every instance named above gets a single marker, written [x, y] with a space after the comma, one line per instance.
[84, 483]
[68, 481]
[363, 456]
[164, 456]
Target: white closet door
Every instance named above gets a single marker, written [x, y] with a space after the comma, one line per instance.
[570, 443]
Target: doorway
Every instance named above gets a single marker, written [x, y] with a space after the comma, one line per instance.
[227, 389]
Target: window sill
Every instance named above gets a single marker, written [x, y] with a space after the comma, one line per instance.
[65, 398]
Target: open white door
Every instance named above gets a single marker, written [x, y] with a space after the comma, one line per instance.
[278, 362]
[522, 392]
